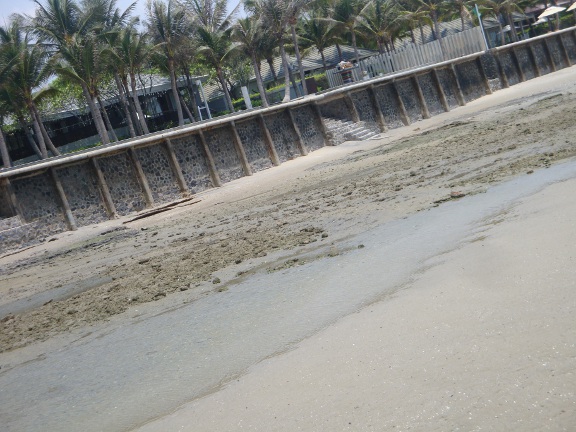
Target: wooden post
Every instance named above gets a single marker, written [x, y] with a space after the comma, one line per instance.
[534, 61]
[440, 90]
[299, 142]
[272, 153]
[564, 51]
[517, 65]
[457, 87]
[501, 72]
[350, 104]
[403, 113]
[176, 168]
[240, 150]
[423, 106]
[71, 222]
[549, 55]
[141, 177]
[13, 201]
[107, 198]
[483, 76]
[320, 120]
[214, 176]
[380, 120]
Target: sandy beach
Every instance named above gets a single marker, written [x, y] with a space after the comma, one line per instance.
[242, 309]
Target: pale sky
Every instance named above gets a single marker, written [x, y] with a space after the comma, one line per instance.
[8, 7]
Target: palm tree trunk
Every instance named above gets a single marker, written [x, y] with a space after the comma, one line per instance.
[29, 137]
[49, 144]
[175, 92]
[124, 104]
[192, 94]
[271, 64]
[225, 90]
[286, 72]
[339, 49]
[259, 82]
[299, 59]
[355, 47]
[111, 133]
[323, 61]
[462, 19]
[4, 151]
[423, 41]
[412, 35]
[434, 17]
[39, 138]
[98, 122]
[510, 20]
[502, 42]
[132, 106]
[136, 101]
[186, 109]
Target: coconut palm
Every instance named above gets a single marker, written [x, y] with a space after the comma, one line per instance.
[25, 69]
[168, 26]
[247, 34]
[318, 32]
[275, 17]
[213, 27]
[294, 9]
[69, 28]
[380, 22]
[346, 15]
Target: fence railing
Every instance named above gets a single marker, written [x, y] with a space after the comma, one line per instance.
[412, 56]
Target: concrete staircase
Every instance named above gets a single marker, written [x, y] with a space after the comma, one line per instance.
[14, 234]
[340, 131]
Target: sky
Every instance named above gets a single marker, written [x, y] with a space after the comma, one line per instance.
[8, 7]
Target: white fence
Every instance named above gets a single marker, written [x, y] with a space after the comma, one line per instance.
[412, 56]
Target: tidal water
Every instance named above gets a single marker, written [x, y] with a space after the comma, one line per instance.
[145, 369]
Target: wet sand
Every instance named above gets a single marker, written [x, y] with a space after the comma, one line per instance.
[484, 339]
[303, 212]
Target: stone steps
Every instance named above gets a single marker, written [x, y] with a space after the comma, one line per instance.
[9, 223]
[346, 130]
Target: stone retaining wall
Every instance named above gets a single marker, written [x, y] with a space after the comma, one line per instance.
[91, 186]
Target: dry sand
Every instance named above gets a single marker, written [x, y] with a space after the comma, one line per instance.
[309, 205]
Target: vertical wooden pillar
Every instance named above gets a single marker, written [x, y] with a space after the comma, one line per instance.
[141, 177]
[534, 61]
[301, 147]
[457, 86]
[13, 201]
[176, 168]
[380, 120]
[272, 153]
[240, 150]
[564, 51]
[548, 54]
[423, 105]
[403, 113]
[440, 90]
[517, 65]
[350, 104]
[501, 72]
[483, 76]
[214, 176]
[70, 221]
[320, 120]
[108, 203]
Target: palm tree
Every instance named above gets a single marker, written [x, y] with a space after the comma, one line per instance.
[69, 29]
[318, 32]
[26, 69]
[131, 53]
[380, 22]
[168, 26]
[295, 8]
[213, 28]
[275, 17]
[461, 7]
[247, 33]
[346, 15]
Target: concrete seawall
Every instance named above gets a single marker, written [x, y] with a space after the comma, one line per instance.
[92, 186]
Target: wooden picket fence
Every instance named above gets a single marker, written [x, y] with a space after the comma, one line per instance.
[412, 56]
